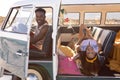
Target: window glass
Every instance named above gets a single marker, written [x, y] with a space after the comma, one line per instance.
[112, 18]
[49, 16]
[70, 18]
[12, 17]
[92, 18]
[19, 20]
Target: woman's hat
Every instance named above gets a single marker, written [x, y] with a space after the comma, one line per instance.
[90, 42]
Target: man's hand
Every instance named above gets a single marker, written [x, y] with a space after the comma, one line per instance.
[31, 34]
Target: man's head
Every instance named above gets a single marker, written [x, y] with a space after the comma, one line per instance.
[40, 16]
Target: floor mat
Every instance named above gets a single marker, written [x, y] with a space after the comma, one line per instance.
[105, 71]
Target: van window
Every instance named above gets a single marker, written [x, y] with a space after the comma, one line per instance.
[69, 18]
[92, 18]
[112, 18]
[14, 12]
[19, 20]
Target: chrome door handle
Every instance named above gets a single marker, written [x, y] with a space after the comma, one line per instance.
[21, 53]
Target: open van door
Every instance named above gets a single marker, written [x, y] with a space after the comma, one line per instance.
[14, 40]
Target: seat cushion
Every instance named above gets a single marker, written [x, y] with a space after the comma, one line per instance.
[106, 39]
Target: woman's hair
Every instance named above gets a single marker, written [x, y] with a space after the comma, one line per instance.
[91, 42]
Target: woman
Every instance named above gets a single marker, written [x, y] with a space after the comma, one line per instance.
[88, 55]
[87, 52]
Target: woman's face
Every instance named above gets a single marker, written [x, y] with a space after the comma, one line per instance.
[90, 53]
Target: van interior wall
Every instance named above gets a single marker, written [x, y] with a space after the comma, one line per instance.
[114, 28]
[76, 28]
[69, 32]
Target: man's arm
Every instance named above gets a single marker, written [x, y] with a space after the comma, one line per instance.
[40, 36]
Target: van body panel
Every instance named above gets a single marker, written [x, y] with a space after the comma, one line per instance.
[48, 65]
[13, 53]
[69, 77]
[64, 2]
[14, 46]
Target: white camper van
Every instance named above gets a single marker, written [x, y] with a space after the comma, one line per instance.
[55, 60]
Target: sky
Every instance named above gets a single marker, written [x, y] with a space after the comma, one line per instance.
[5, 6]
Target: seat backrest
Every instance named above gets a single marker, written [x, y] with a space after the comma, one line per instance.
[93, 30]
[47, 44]
[97, 33]
[36, 54]
[103, 36]
[106, 39]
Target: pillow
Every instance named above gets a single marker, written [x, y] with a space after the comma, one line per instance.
[67, 66]
[67, 51]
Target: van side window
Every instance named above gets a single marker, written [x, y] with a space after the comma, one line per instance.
[115, 19]
[18, 20]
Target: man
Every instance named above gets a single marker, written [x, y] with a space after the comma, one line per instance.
[40, 32]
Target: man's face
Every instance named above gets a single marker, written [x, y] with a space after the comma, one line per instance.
[90, 52]
[40, 18]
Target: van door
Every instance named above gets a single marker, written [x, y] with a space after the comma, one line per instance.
[14, 41]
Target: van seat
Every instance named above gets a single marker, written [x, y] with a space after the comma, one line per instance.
[97, 33]
[94, 30]
[46, 52]
[105, 38]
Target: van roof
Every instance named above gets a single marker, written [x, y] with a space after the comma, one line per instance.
[90, 1]
[35, 2]
[51, 2]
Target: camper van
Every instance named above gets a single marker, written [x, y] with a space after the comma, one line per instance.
[56, 60]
